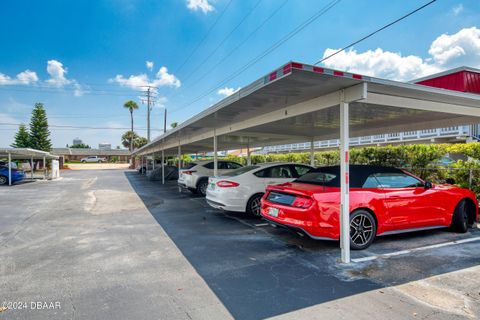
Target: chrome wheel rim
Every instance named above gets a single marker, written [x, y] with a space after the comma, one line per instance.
[361, 229]
[256, 206]
[3, 180]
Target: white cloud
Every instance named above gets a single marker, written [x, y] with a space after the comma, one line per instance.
[23, 78]
[57, 74]
[166, 79]
[58, 78]
[149, 65]
[227, 91]
[162, 79]
[446, 51]
[160, 102]
[457, 9]
[27, 77]
[461, 48]
[202, 5]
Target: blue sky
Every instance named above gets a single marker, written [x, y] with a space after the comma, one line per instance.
[84, 59]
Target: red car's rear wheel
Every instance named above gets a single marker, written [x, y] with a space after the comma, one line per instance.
[363, 229]
[460, 217]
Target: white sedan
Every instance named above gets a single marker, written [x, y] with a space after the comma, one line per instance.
[241, 190]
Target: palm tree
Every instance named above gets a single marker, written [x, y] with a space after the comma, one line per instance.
[131, 105]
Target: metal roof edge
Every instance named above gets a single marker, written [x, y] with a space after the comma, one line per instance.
[445, 73]
[286, 70]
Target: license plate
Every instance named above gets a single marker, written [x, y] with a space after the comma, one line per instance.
[273, 212]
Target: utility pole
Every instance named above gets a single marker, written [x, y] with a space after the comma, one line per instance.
[165, 121]
[150, 100]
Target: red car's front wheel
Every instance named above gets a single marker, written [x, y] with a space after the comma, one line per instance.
[363, 229]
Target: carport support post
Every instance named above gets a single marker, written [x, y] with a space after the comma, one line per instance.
[249, 159]
[153, 164]
[9, 169]
[344, 182]
[312, 153]
[44, 167]
[179, 156]
[163, 167]
[215, 160]
[31, 167]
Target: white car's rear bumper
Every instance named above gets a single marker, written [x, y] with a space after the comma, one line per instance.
[228, 200]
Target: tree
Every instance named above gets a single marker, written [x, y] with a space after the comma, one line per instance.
[39, 134]
[130, 105]
[131, 136]
[140, 142]
[80, 146]
[22, 138]
[128, 138]
[174, 125]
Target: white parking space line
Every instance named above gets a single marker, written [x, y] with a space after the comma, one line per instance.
[398, 253]
[261, 224]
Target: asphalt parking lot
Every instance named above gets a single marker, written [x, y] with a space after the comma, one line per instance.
[113, 245]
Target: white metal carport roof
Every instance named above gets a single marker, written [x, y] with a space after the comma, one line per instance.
[296, 103]
[26, 153]
[300, 102]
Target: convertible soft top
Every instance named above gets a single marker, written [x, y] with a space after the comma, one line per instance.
[358, 174]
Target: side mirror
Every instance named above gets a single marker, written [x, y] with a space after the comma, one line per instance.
[428, 185]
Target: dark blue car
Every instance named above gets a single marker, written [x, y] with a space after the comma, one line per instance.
[17, 175]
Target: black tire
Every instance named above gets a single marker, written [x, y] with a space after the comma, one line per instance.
[83, 161]
[363, 229]
[202, 187]
[253, 205]
[460, 217]
[194, 191]
[3, 180]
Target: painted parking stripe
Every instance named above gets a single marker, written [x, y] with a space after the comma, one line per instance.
[261, 224]
[398, 253]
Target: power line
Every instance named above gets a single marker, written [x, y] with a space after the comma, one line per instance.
[237, 47]
[69, 90]
[201, 64]
[272, 48]
[205, 37]
[376, 31]
[79, 127]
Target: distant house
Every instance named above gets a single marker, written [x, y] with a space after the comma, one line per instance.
[76, 154]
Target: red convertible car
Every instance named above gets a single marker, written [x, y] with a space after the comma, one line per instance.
[383, 201]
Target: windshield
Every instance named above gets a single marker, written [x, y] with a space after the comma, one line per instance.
[240, 171]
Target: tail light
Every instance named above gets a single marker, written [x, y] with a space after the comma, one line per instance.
[189, 172]
[227, 184]
[302, 202]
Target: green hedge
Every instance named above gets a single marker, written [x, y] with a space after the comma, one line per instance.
[420, 159]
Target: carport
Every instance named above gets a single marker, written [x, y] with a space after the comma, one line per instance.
[299, 102]
[25, 154]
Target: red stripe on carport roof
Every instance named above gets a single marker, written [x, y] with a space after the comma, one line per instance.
[287, 68]
[273, 75]
[356, 76]
[297, 65]
[338, 73]
[317, 69]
